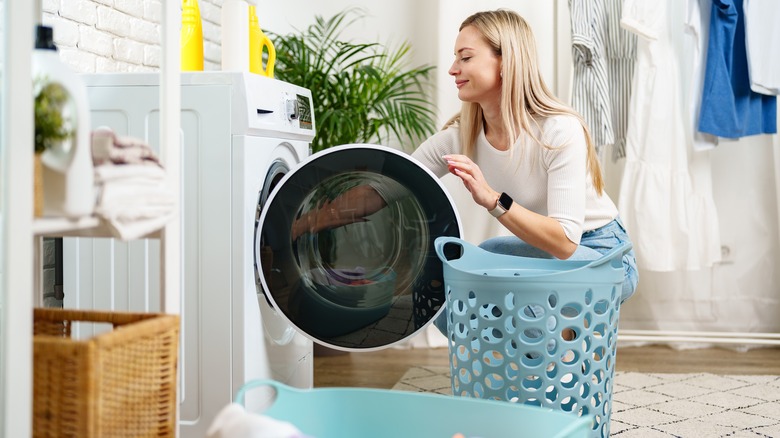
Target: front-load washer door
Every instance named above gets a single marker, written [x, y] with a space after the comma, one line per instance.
[351, 231]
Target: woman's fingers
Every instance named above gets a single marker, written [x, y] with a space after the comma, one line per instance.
[471, 176]
[459, 162]
[464, 168]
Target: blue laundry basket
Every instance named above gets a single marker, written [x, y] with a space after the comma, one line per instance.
[381, 413]
[507, 316]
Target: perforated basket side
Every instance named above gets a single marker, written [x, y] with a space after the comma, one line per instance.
[545, 339]
[510, 345]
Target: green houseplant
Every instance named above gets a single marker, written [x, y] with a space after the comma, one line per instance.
[51, 128]
[362, 92]
[50, 124]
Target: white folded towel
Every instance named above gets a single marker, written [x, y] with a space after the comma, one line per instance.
[233, 421]
[133, 197]
[134, 207]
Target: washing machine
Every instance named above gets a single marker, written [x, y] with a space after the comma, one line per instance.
[257, 288]
[241, 134]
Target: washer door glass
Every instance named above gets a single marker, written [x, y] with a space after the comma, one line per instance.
[348, 236]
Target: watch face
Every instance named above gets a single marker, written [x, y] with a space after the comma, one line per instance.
[350, 280]
[505, 201]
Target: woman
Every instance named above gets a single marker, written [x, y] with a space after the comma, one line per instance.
[524, 156]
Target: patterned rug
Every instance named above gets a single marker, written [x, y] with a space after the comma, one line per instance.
[667, 405]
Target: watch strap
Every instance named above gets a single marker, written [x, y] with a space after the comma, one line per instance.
[498, 211]
[503, 203]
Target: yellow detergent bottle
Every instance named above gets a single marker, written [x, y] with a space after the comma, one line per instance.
[242, 40]
[191, 36]
[258, 42]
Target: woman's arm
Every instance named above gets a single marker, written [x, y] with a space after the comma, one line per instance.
[347, 208]
[364, 200]
[540, 231]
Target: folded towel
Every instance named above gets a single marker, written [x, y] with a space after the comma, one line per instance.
[234, 421]
[111, 172]
[107, 147]
[133, 207]
[133, 197]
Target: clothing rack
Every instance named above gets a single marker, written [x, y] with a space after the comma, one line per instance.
[562, 86]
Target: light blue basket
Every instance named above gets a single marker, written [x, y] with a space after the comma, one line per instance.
[506, 315]
[376, 413]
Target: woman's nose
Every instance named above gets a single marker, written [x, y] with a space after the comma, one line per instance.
[453, 70]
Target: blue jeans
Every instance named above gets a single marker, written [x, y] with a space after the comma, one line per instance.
[593, 245]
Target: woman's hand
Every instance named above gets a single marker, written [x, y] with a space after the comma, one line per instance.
[471, 176]
[535, 229]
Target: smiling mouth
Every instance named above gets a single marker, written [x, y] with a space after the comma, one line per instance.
[460, 84]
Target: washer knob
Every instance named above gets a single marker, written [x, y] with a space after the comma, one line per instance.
[291, 106]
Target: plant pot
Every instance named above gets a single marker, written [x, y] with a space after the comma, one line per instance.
[37, 186]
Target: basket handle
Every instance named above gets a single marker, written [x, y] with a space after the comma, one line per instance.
[613, 256]
[441, 242]
[280, 389]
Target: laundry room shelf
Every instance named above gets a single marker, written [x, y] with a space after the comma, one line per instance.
[57, 226]
[87, 226]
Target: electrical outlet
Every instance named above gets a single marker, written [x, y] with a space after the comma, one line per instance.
[726, 255]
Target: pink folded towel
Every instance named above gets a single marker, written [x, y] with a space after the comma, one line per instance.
[107, 148]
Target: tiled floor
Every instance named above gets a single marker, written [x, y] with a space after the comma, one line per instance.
[667, 405]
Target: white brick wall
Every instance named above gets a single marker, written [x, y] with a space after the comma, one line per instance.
[101, 36]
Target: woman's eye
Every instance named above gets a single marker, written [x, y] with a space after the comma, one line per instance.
[465, 58]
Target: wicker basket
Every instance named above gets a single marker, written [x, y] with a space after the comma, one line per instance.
[121, 383]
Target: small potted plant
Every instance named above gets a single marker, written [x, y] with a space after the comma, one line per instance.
[51, 128]
[362, 92]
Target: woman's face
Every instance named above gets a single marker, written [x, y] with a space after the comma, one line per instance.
[476, 68]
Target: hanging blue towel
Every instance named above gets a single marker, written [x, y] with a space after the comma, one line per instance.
[729, 108]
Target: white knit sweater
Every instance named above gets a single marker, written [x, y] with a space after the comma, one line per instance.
[551, 181]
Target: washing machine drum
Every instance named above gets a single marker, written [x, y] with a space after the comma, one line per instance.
[345, 243]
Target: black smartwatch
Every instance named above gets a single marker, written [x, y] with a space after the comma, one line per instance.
[504, 203]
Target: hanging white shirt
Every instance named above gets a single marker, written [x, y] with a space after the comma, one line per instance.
[670, 222]
[762, 40]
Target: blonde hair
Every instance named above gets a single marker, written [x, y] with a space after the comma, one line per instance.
[523, 91]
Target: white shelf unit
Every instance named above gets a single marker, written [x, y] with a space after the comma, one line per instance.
[57, 226]
[22, 234]
[89, 226]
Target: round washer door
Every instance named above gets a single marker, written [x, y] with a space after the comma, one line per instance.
[346, 242]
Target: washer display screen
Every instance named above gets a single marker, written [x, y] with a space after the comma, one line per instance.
[346, 246]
